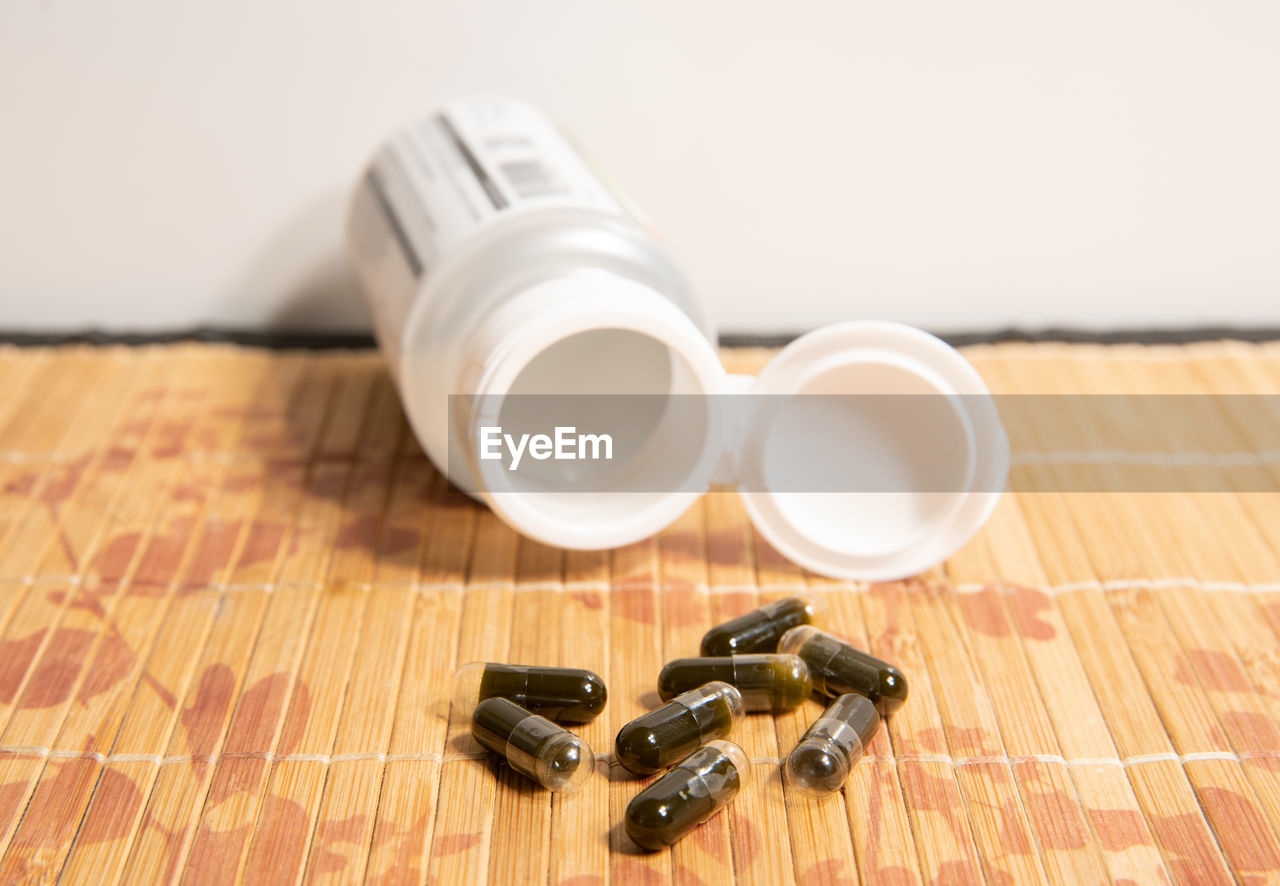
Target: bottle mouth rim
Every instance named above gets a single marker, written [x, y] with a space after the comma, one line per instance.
[562, 309]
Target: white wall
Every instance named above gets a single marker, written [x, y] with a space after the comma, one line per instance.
[953, 165]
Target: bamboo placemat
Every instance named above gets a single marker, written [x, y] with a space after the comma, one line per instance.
[232, 593]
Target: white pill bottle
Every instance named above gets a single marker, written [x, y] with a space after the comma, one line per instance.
[495, 263]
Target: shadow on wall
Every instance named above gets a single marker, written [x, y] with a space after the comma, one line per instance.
[300, 280]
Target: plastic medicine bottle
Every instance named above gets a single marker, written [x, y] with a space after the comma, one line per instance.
[495, 263]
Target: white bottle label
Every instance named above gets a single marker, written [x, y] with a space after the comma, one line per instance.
[438, 183]
[470, 165]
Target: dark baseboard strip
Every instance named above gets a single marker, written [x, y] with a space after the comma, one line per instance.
[274, 340]
[339, 340]
[1062, 335]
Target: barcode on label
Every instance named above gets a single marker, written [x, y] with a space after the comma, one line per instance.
[531, 178]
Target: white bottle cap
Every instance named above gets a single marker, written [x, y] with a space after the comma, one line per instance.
[922, 422]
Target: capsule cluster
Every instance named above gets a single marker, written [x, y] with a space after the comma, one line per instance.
[776, 658]
[769, 660]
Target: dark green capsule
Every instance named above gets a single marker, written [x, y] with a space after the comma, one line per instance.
[767, 682]
[653, 741]
[760, 629]
[828, 750]
[695, 789]
[568, 695]
[837, 668]
[532, 745]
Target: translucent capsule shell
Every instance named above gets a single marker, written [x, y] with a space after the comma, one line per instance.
[760, 629]
[838, 668]
[533, 746]
[821, 761]
[566, 695]
[654, 741]
[767, 681]
[696, 788]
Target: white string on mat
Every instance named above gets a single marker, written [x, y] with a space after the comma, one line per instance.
[1150, 584]
[611, 759]
[1262, 458]
[602, 587]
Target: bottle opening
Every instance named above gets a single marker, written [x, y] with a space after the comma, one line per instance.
[597, 429]
[626, 393]
[613, 381]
